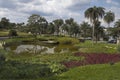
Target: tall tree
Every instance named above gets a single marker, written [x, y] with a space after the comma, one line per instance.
[85, 29]
[109, 17]
[69, 25]
[21, 27]
[93, 14]
[37, 24]
[5, 23]
[74, 29]
[58, 23]
[69, 21]
[65, 29]
[99, 33]
[117, 30]
[51, 28]
[12, 26]
[113, 31]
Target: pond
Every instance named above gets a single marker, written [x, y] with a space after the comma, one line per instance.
[41, 48]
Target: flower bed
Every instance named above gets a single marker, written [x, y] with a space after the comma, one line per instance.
[93, 59]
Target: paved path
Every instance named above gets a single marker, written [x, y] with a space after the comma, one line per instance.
[3, 38]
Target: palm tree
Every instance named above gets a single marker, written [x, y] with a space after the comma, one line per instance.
[37, 24]
[69, 23]
[109, 17]
[74, 29]
[117, 25]
[98, 31]
[50, 28]
[58, 23]
[5, 23]
[85, 29]
[65, 29]
[94, 13]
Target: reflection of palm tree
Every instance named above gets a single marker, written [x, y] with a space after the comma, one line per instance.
[94, 13]
[29, 50]
[32, 49]
[43, 49]
[35, 49]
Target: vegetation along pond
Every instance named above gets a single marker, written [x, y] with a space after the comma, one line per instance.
[40, 48]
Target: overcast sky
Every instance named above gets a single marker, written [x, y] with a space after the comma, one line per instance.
[20, 10]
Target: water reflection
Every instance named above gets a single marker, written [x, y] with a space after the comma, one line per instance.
[31, 48]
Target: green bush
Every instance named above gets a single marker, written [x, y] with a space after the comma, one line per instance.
[68, 40]
[118, 48]
[2, 57]
[12, 33]
[57, 68]
[17, 70]
[7, 71]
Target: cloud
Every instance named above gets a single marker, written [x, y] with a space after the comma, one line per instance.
[13, 15]
[115, 2]
[24, 1]
[10, 4]
[20, 10]
[46, 8]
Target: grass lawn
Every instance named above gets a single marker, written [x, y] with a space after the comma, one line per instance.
[90, 72]
[6, 32]
[88, 47]
[94, 72]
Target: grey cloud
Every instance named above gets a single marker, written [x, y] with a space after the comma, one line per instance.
[78, 6]
[25, 1]
[38, 12]
[10, 4]
[51, 9]
[118, 1]
[13, 4]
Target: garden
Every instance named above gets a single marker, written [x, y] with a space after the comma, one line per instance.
[84, 58]
[61, 49]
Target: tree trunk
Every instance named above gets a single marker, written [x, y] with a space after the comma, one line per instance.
[93, 27]
[96, 38]
[118, 40]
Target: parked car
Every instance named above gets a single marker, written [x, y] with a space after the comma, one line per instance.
[112, 41]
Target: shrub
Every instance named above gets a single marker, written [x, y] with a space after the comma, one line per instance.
[2, 57]
[57, 67]
[118, 48]
[12, 33]
[18, 70]
[67, 40]
[8, 72]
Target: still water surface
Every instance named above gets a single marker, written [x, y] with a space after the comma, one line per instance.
[32, 48]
